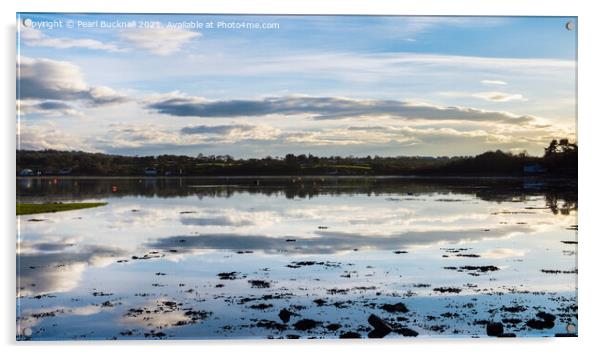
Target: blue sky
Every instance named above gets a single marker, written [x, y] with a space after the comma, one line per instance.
[309, 84]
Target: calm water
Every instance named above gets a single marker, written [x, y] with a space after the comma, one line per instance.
[221, 258]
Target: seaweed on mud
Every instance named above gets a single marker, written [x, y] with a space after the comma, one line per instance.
[300, 264]
[261, 284]
[556, 271]
[228, 275]
[544, 320]
[447, 290]
[350, 335]
[394, 308]
[306, 324]
[513, 309]
[261, 306]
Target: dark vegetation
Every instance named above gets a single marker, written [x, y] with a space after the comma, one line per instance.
[560, 158]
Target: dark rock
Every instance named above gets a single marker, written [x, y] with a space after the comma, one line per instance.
[406, 332]
[305, 324]
[320, 302]
[285, 315]
[398, 307]
[512, 321]
[546, 321]
[333, 326]
[381, 328]
[547, 317]
[259, 284]
[513, 309]
[261, 306]
[495, 329]
[350, 335]
[482, 269]
[447, 290]
[228, 276]
[536, 324]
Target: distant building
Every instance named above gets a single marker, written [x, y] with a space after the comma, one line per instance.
[65, 171]
[534, 168]
[150, 171]
[26, 172]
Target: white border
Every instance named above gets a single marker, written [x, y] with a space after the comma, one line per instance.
[589, 140]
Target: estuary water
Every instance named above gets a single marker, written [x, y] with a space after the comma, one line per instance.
[297, 257]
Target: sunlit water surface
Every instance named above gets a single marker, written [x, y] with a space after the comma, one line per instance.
[200, 259]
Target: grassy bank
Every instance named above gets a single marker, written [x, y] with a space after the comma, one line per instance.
[34, 208]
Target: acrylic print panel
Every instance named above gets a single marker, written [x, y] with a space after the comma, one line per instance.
[252, 177]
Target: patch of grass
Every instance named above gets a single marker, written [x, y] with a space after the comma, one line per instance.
[36, 208]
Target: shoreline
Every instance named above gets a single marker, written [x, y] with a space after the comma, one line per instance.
[330, 177]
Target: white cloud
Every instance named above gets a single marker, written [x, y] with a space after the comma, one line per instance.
[492, 96]
[493, 82]
[36, 38]
[49, 79]
[496, 96]
[48, 136]
[45, 86]
[160, 41]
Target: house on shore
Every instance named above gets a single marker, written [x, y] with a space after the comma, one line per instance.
[534, 169]
[150, 171]
[26, 172]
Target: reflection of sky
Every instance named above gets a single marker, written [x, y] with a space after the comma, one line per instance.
[73, 254]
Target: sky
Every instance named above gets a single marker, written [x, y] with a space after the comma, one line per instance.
[255, 86]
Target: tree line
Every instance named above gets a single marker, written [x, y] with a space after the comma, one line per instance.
[559, 158]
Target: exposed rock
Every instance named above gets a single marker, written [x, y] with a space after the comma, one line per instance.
[333, 326]
[447, 290]
[495, 329]
[545, 321]
[305, 324]
[350, 335]
[285, 315]
[406, 332]
[259, 284]
[381, 328]
[228, 276]
[398, 307]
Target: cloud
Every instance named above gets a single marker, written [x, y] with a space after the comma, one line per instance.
[215, 129]
[496, 96]
[492, 96]
[36, 38]
[501, 253]
[232, 217]
[103, 95]
[234, 132]
[29, 318]
[493, 82]
[327, 242]
[43, 272]
[48, 136]
[325, 108]
[50, 108]
[120, 136]
[49, 79]
[160, 41]
[46, 79]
